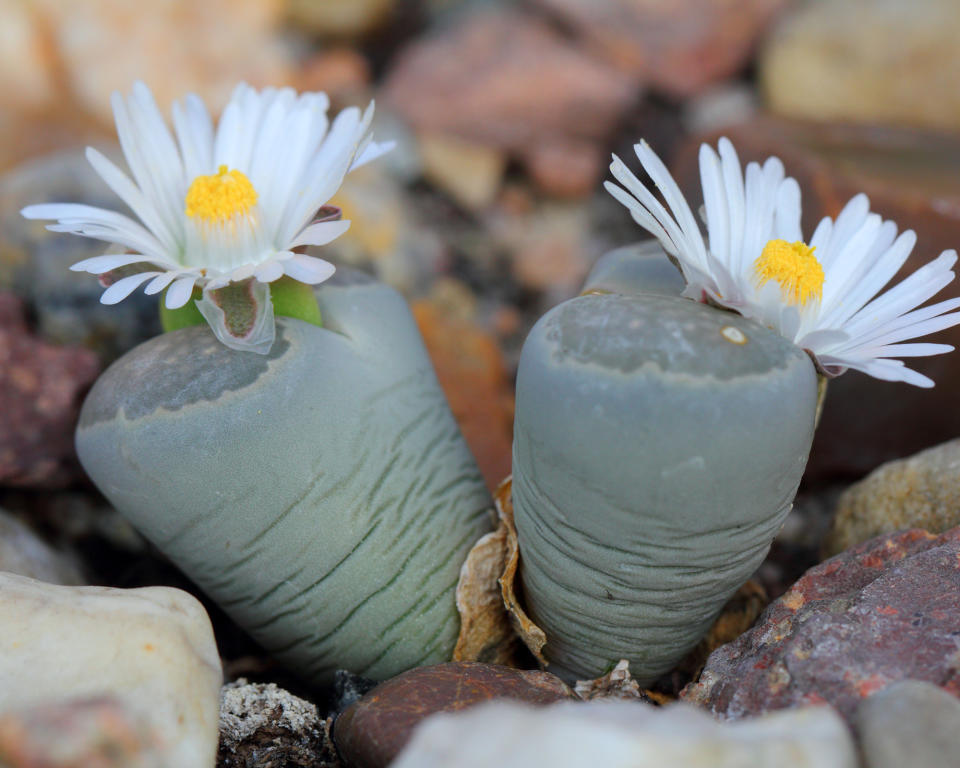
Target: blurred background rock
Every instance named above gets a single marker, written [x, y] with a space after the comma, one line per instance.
[491, 210]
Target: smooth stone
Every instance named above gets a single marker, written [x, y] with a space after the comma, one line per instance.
[84, 733]
[883, 611]
[151, 648]
[24, 553]
[619, 734]
[922, 491]
[322, 495]
[910, 723]
[861, 60]
[371, 733]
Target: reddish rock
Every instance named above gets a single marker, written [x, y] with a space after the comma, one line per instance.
[98, 733]
[912, 177]
[471, 371]
[41, 387]
[884, 611]
[371, 732]
[506, 79]
[677, 47]
[565, 168]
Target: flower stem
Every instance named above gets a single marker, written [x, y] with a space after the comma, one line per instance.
[182, 317]
[290, 298]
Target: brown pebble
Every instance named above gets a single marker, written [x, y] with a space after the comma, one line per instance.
[372, 732]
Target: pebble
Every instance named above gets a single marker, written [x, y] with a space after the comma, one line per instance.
[86, 733]
[883, 611]
[922, 491]
[910, 723]
[41, 386]
[372, 732]
[24, 553]
[622, 734]
[861, 60]
[218, 43]
[262, 724]
[468, 171]
[151, 648]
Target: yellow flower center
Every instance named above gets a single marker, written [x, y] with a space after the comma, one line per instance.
[794, 267]
[220, 196]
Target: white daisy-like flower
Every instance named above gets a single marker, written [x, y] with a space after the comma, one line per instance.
[822, 296]
[218, 207]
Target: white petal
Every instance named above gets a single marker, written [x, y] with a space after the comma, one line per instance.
[180, 292]
[267, 273]
[124, 287]
[159, 283]
[371, 152]
[321, 233]
[308, 269]
[715, 203]
[97, 265]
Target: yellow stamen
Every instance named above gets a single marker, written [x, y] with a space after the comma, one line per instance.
[220, 196]
[794, 267]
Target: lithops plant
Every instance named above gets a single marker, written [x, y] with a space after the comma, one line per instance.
[300, 462]
[658, 446]
[659, 441]
[321, 494]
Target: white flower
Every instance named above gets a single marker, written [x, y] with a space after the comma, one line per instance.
[821, 296]
[219, 206]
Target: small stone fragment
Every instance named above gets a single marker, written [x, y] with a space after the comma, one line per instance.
[24, 553]
[40, 388]
[922, 491]
[623, 734]
[152, 649]
[883, 611]
[910, 723]
[373, 731]
[469, 172]
[261, 724]
[85, 733]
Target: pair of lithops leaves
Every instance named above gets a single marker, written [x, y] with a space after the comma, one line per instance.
[324, 497]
